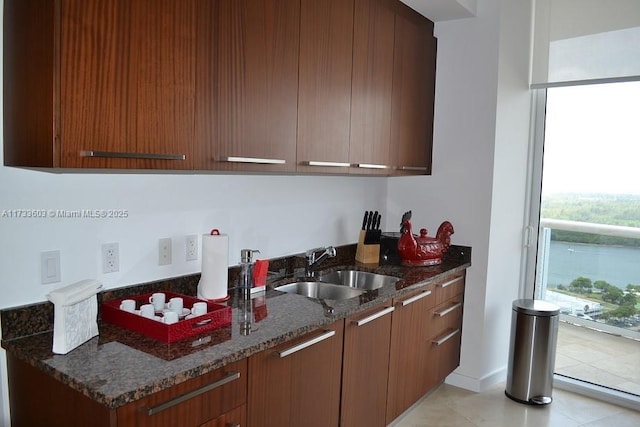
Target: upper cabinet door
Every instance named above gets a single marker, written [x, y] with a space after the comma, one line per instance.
[127, 83]
[247, 84]
[373, 36]
[324, 98]
[413, 94]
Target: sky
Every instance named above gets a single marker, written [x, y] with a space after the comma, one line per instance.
[592, 139]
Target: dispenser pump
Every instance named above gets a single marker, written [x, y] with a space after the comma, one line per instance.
[246, 271]
[246, 255]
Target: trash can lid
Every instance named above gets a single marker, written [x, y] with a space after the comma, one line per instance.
[535, 307]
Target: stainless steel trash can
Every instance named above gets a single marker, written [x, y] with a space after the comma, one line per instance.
[532, 351]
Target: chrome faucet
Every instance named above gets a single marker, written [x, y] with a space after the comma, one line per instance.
[329, 252]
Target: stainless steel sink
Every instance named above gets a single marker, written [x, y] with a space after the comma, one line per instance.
[358, 279]
[320, 290]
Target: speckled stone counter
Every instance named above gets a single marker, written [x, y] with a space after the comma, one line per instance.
[120, 366]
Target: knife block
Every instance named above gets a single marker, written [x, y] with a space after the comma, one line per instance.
[367, 253]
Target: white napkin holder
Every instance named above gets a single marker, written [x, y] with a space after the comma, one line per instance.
[75, 315]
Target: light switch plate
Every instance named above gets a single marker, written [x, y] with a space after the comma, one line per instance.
[50, 267]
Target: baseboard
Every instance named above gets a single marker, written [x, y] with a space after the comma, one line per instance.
[477, 384]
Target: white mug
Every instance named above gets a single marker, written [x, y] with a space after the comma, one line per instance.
[158, 300]
[170, 317]
[147, 310]
[176, 304]
[199, 308]
[128, 305]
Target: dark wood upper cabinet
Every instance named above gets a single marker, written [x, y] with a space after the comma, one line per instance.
[117, 80]
[413, 93]
[324, 94]
[373, 36]
[247, 84]
[307, 86]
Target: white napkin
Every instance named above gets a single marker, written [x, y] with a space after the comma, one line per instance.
[75, 315]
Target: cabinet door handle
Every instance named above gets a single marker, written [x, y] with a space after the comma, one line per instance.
[231, 376]
[450, 282]
[412, 168]
[448, 310]
[253, 160]
[121, 155]
[327, 164]
[233, 424]
[415, 298]
[371, 166]
[445, 338]
[303, 345]
[374, 316]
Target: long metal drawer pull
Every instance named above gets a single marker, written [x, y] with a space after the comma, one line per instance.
[446, 338]
[233, 425]
[120, 155]
[327, 164]
[450, 282]
[253, 160]
[371, 166]
[448, 310]
[303, 345]
[412, 168]
[374, 316]
[232, 376]
[415, 298]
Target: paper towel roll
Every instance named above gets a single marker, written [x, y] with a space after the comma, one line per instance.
[215, 265]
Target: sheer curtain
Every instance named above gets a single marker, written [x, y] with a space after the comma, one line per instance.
[585, 41]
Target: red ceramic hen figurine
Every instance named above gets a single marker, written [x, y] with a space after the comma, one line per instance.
[423, 250]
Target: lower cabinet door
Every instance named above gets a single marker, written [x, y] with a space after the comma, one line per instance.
[411, 360]
[192, 403]
[234, 418]
[366, 368]
[297, 383]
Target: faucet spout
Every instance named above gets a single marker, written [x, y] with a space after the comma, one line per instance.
[312, 259]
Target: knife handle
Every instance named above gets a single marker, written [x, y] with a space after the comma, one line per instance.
[377, 224]
[369, 221]
[364, 221]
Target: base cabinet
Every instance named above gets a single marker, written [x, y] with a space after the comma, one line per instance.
[366, 368]
[217, 398]
[411, 362]
[297, 383]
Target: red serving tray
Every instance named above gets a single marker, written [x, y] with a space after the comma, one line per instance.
[217, 316]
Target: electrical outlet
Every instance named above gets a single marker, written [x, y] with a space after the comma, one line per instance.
[50, 267]
[110, 258]
[164, 251]
[192, 247]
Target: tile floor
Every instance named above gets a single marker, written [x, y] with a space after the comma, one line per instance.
[450, 406]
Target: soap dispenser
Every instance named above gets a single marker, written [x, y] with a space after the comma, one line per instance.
[246, 271]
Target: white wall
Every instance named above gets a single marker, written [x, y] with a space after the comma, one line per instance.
[479, 170]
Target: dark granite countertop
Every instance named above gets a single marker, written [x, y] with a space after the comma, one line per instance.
[119, 366]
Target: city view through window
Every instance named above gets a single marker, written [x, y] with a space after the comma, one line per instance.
[589, 236]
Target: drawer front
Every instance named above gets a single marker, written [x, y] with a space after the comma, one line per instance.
[445, 316]
[425, 297]
[191, 403]
[449, 287]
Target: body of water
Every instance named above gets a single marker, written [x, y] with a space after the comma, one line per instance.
[618, 266]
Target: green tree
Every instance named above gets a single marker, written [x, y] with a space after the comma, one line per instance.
[621, 312]
[581, 284]
[601, 284]
[613, 295]
[629, 299]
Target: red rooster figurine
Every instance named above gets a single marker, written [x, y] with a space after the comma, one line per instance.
[423, 250]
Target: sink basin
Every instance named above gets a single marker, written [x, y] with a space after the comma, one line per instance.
[320, 290]
[359, 279]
